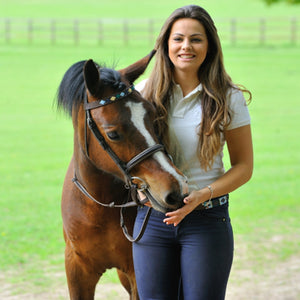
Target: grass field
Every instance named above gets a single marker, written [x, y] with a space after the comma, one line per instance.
[139, 9]
[36, 142]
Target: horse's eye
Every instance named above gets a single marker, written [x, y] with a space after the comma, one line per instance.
[113, 135]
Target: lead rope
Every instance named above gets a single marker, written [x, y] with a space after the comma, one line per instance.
[122, 206]
[142, 230]
[111, 204]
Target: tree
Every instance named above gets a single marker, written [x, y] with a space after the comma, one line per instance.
[269, 2]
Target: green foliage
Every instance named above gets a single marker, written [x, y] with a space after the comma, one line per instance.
[269, 2]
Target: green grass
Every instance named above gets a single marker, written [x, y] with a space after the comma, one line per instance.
[36, 142]
[139, 9]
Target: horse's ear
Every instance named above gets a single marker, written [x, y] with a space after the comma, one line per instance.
[135, 70]
[91, 77]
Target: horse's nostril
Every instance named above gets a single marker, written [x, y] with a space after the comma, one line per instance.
[174, 198]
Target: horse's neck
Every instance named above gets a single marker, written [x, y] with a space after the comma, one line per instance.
[92, 178]
[85, 171]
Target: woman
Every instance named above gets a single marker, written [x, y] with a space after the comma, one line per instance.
[189, 251]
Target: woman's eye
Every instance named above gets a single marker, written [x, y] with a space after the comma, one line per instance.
[197, 40]
[113, 135]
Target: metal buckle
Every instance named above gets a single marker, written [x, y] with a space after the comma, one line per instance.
[142, 186]
[138, 187]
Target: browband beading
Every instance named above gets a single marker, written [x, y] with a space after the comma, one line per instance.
[102, 102]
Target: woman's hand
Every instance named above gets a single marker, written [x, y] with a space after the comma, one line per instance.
[190, 203]
[142, 197]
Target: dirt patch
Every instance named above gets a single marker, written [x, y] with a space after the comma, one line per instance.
[107, 291]
[255, 275]
[278, 282]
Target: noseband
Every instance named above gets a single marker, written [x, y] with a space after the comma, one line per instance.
[123, 166]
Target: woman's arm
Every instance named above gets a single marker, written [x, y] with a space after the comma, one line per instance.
[239, 143]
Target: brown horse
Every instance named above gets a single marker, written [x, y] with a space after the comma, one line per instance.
[115, 149]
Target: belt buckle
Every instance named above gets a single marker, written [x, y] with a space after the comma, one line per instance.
[208, 204]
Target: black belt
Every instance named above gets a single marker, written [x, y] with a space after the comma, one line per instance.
[214, 202]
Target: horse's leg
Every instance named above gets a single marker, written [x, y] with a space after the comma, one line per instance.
[124, 280]
[129, 283]
[82, 279]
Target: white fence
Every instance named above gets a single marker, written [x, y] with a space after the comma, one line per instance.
[233, 31]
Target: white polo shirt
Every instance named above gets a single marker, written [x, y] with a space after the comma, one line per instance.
[184, 120]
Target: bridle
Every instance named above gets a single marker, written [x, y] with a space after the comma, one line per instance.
[123, 166]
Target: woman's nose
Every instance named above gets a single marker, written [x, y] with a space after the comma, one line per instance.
[186, 45]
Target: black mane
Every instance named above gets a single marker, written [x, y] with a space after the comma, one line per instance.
[71, 91]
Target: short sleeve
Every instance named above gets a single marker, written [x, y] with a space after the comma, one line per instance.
[140, 86]
[238, 109]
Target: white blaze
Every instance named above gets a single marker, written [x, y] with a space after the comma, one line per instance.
[137, 118]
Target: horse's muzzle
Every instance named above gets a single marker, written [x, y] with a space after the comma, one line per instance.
[175, 199]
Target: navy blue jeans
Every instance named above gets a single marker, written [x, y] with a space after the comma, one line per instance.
[191, 261]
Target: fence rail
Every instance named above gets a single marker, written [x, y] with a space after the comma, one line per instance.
[132, 31]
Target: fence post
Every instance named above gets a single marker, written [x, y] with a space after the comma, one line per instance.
[233, 31]
[53, 32]
[125, 32]
[7, 30]
[294, 30]
[76, 32]
[262, 31]
[30, 31]
[100, 32]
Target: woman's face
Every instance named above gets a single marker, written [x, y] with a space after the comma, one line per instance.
[187, 45]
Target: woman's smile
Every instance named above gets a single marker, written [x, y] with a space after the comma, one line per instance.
[187, 57]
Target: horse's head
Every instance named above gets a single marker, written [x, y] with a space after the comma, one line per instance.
[116, 133]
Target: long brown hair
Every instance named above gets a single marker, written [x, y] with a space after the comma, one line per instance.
[216, 84]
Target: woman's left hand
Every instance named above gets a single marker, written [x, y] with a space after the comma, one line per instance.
[190, 203]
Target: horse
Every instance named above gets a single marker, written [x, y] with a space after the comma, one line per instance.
[116, 153]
